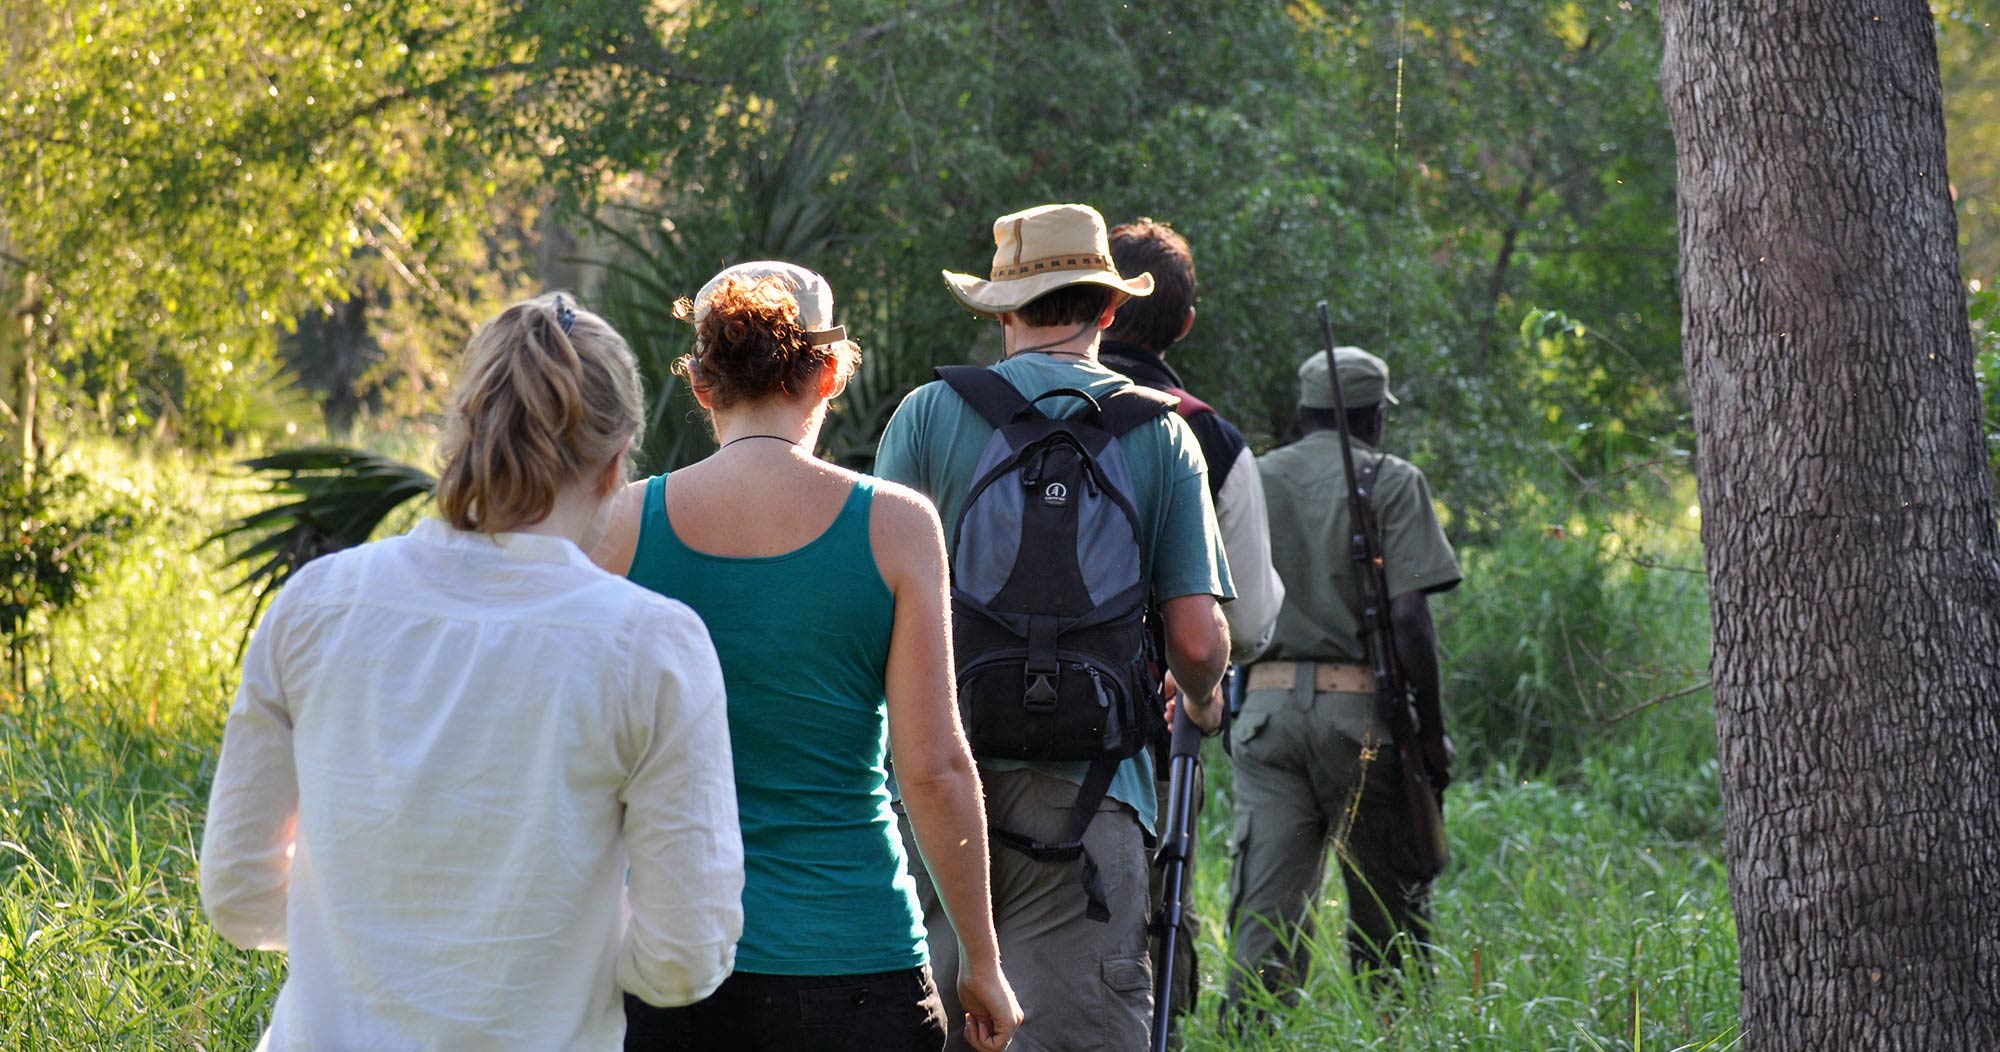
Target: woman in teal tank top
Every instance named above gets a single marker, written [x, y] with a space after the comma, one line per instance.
[824, 593]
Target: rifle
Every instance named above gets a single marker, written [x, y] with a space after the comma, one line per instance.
[1176, 849]
[1235, 681]
[1392, 697]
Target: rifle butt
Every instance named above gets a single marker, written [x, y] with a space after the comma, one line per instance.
[1426, 815]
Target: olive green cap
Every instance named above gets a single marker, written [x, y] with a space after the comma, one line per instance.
[1364, 380]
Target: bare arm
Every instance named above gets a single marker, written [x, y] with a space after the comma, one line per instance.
[934, 769]
[620, 543]
[1197, 654]
[1417, 656]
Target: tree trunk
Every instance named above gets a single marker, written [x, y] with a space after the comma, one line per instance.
[1853, 560]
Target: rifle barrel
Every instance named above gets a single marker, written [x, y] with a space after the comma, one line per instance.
[1378, 636]
[1176, 850]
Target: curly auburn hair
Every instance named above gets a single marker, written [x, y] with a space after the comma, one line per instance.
[749, 346]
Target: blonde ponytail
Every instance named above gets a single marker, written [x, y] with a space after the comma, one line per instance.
[533, 410]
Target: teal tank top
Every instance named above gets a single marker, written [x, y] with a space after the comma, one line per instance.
[804, 643]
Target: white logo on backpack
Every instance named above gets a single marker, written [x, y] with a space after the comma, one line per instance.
[1056, 495]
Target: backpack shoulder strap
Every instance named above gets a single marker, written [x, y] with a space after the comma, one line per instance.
[1190, 405]
[1132, 406]
[994, 399]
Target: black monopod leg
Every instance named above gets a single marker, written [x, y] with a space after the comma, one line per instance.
[1175, 850]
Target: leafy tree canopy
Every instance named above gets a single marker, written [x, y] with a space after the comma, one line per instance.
[185, 178]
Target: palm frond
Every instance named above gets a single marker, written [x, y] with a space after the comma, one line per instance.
[339, 496]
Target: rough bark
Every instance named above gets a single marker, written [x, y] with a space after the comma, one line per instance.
[1849, 522]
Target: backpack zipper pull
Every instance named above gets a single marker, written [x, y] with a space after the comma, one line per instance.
[1097, 683]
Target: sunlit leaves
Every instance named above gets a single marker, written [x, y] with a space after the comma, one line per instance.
[188, 176]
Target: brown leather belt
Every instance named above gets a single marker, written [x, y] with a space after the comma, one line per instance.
[1327, 677]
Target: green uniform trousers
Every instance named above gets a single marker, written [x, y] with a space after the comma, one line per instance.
[1304, 785]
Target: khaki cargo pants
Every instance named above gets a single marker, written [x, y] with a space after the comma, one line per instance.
[1084, 986]
[1305, 786]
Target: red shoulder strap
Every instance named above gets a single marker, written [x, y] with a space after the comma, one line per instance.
[1190, 405]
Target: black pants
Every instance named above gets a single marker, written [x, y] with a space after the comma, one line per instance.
[882, 1012]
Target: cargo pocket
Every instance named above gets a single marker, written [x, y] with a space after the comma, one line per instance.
[1248, 724]
[1120, 1015]
[1128, 974]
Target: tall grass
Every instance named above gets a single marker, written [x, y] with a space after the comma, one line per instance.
[1586, 908]
[104, 771]
[1565, 634]
[1586, 913]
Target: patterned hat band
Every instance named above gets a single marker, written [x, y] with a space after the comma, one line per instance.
[1052, 264]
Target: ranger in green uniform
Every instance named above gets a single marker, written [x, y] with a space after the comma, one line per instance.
[1314, 767]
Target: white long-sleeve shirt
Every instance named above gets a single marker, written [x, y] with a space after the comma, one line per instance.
[1244, 522]
[446, 752]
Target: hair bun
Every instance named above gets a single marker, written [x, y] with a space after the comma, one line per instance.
[750, 346]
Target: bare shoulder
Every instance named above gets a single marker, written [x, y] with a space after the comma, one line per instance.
[904, 515]
[905, 504]
[904, 531]
[615, 550]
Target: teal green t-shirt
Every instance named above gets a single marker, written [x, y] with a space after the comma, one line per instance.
[933, 443]
[804, 643]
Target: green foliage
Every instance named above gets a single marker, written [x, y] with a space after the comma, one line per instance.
[1586, 900]
[1969, 58]
[1564, 633]
[184, 177]
[1985, 314]
[336, 498]
[1424, 164]
[1582, 912]
[56, 529]
[104, 768]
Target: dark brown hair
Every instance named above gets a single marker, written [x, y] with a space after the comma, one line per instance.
[1069, 305]
[749, 346]
[533, 410]
[1150, 246]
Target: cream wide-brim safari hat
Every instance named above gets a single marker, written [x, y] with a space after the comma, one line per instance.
[1040, 250]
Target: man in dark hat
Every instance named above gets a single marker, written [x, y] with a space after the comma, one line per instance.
[1314, 765]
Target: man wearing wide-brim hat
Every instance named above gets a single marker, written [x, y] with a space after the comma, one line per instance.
[1083, 983]
[1314, 769]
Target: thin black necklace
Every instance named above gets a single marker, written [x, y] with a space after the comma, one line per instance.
[1043, 348]
[746, 438]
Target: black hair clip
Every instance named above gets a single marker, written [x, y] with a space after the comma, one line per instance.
[565, 317]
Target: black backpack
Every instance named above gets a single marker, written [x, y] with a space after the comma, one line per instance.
[1049, 598]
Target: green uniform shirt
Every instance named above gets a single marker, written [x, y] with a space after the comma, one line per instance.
[933, 444]
[1305, 487]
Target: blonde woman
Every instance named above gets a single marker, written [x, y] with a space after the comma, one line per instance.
[441, 764]
[825, 593]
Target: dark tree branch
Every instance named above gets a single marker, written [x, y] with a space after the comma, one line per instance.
[1692, 688]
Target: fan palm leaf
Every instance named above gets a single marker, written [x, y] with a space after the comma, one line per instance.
[338, 498]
